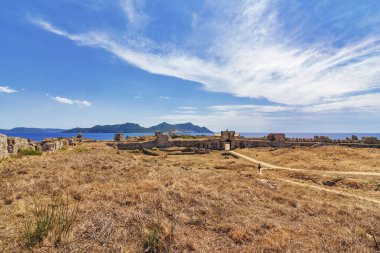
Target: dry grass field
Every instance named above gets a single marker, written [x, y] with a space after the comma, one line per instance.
[94, 198]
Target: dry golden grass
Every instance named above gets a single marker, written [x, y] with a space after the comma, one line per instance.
[131, 202]
[320, 158]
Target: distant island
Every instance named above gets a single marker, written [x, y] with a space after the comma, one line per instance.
[136, 128]
[32, 130]
[118, 128]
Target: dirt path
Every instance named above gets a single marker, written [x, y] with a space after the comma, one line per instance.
[275, 167]
[270, 166]
[329, 190]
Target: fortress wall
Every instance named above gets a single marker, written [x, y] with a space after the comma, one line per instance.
[253, 143]
[273, 140]
[135, 145]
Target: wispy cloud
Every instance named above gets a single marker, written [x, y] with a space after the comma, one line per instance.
[164, 97]
[133, 12]
[69, 101]
[188, 108]
[7, 89]
[250, 55]
[255, 108]
[361, 103]
[138, 97]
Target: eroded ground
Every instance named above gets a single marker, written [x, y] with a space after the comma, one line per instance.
[193, 203]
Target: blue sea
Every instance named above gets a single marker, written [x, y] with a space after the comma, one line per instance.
[109, 136]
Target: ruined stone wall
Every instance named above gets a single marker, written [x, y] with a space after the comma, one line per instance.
[252, 143]
[11, 145]
[274, 140]
[208, 144]
[15, 144]
[3, 146]
[135, 145]
[53, 144]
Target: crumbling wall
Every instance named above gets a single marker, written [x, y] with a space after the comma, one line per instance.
[15, 144]
[53, 144]
[118, 137]
[3, 146]
[135, 145]
[370, 140]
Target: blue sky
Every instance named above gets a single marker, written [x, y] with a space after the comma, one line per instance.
[263, 65]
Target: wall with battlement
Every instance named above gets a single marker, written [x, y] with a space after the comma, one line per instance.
[272, 140]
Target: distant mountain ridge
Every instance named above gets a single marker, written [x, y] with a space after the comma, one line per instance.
[136, 128]
[32, 130]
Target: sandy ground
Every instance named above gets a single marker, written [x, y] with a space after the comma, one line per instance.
[199, 203]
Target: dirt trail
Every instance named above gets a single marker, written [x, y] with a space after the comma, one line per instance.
[329, 190]
[271, 166]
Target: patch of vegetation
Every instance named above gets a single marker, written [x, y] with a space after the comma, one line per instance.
[82, 150]
[186, 137]
[29, 151]
[152, 240]
[55, 219]
[159, 237]
[64, 148]
[377, 187]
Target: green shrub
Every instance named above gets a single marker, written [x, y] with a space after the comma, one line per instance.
[82, 150]
[55, 219]
[152, 240]
[29, 151]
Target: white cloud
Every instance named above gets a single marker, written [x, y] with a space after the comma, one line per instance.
[139, 97]
[366, 103]
[68, 101]
[255, 108]
[164, 97]
[133, 12]
[6, 89]
[188, 108]
[251, 56]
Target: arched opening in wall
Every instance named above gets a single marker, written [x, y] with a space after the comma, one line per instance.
[227, 145]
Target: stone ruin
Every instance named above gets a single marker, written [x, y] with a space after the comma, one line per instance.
[118, 137]
[276, 137]
[10, 146]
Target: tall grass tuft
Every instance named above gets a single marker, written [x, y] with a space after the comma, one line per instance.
[29, 151]
[152, 240]
[55, 219]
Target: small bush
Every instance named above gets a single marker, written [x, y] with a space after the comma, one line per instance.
[82, 150]
[55, 219]
[152, 240]
[29, 151]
